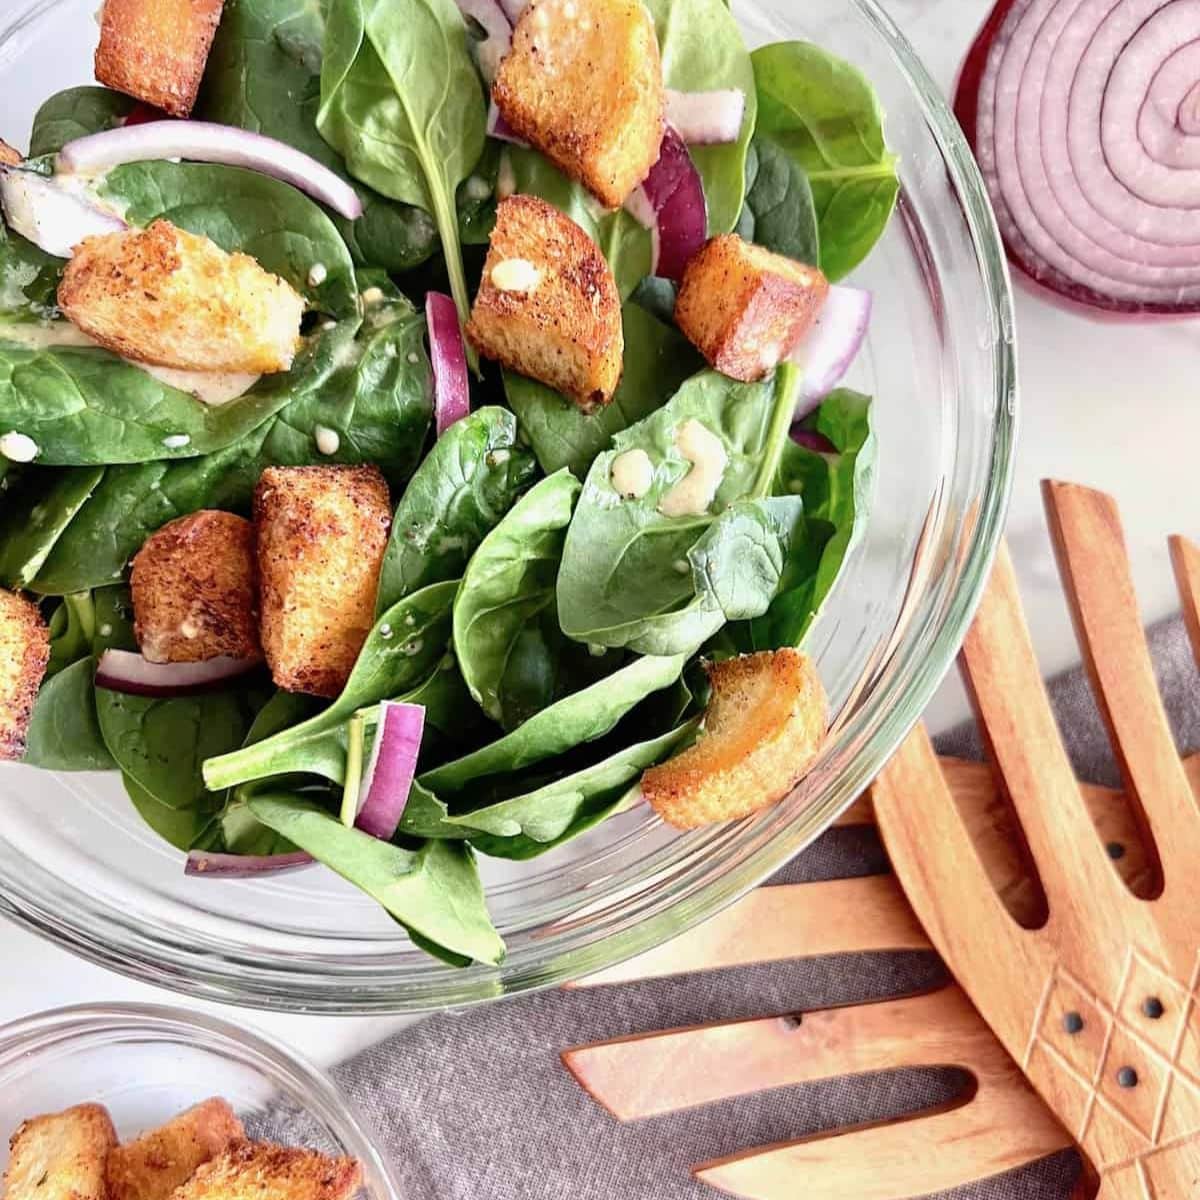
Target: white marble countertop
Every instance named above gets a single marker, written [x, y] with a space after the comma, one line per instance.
[1114, 406]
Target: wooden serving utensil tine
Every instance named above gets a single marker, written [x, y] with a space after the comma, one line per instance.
[1185, 558]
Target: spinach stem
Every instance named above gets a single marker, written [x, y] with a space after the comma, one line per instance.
[354, 769]
[447, 222]
[787, 384]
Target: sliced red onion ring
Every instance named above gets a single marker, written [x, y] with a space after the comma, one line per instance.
[672, 206]
[388, 775]
[451, 389]
[125, 671]
[244, 866]
[513, 9]
[810, 439]
[205, 141]
[54, 219]
[500, 129]
[498, 28]
[831, 344]
[1082, 115]
[707, 118]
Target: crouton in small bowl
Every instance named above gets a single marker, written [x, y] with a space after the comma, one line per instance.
[146, 1102]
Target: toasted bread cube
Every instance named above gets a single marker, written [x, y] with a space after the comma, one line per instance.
[60, 1156]
[765, 723]
[746, 309]
[548, 305]
[195, 590]
[10, 155]
[170, 298]
[152, 1166]
[583, 83]
[155, 50]
[322, 533]
[262, 1171]
[24, 653]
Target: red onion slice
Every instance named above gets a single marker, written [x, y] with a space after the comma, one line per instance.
[672, 206]
[707, 118]
[810, 439]
[205, 141]
[388, 775]
[501, 130]
[244, 866]
[513, 9]
[497, 26]
[44, 212]
[451, 389]
[831, 345]
[125, 671]
[1082, 117]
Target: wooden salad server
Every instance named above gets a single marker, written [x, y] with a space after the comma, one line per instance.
[1097, 1002]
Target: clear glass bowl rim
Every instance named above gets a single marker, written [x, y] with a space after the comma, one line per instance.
[165, 960]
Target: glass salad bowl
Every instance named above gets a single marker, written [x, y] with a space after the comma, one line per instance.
[147, 1063]
[78, 865]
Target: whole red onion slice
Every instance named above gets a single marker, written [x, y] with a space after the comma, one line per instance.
[451, 389]
[44, 212]
[388, 775]
[244, 866]
[831, 345]
[1085, 118]
[672, 206]
[496, 24]
[125, 671]
[707, 118]
[206, 141]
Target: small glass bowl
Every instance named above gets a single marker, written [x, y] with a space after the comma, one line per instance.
[146, 1063]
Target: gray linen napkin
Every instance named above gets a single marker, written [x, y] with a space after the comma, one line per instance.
[478, 1107]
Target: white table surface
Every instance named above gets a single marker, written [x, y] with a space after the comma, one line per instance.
[1115, 406]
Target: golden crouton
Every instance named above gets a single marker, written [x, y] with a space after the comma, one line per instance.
[152, 1166]
[9, 155]
[583, 83]
[548, 305]
[765, 723]
[167, 297]
[60, 1156]
[322, 533]
[195, 590]
[24, 653]
[746, 309]
[155, 50]
[262, 1171]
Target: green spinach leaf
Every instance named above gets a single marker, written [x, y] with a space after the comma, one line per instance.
[184, 828]
[64, 733]
[825, 115]
[75, 113]
[28, 280]
[72, 632]
[779, 213]
[434, 891]
[35, 516]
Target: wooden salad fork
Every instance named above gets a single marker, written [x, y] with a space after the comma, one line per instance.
[1098, 1001]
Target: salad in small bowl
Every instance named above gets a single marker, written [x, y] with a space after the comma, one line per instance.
[423, 439]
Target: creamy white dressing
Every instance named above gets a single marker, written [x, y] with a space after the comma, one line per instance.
[176, 441]
[632, 474]
[506, 177]
[515, 275]
[478, 188]
[372, 295]
[18, 447]
[317, 274]
[328, 440]
[695, 492]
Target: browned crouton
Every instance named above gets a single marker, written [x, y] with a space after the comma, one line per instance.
[155, 50]
[548, 305]
[765, 723]
[195, 590]
[322, 533]
[746, 309]
[60, 1156]
[24, 653]
[9, 155]
[152, 1166]
[167, 297]
[583, 83]
[261, 1171]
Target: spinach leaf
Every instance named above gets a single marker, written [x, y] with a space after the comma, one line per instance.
[632, 576]
[402, 103]
[64, 733]
[72, 632]
[434, 891]
[454, 723]
[183, 828]
[264, 75]
[779, 212]
[35, 516]
[508, 585]
[658, 297]
[581, 717]
[463, 488]
[75, 113]
[240, 210]
[701, 48]
[825, 115]
[425, 816]
[399, 653]
[28, 280]
[658, 358]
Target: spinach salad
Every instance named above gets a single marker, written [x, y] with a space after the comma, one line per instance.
[546, 618]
